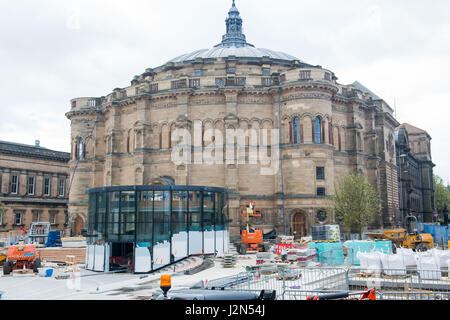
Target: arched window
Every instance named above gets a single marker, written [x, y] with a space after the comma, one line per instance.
[296, 131]
[317, 130]
[75, 150]
[80, 154]
[330, 134]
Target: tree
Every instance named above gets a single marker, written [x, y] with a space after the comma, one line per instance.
[441, 194]
[356, 202]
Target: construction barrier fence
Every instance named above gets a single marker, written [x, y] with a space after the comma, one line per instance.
[300, 283]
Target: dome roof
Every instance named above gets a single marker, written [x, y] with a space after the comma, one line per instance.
[240, 52]
[234, 44]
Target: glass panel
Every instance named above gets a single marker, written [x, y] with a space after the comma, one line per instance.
[209, 244]
[127, 216]
[113, 217]
[179, 225]
[208, 211]
[101, 215]
[145, 216]
[220, 227]
[179, 211]
[220, 210]
[161, 231]
[195, 223]
[91, 218]
[161, 216]
[195, 217]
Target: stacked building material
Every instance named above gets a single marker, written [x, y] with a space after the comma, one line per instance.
[60, 254]
[228, 261]
[263, 257]
[302, 256]
[330, 253]
[74, 242]
[268, 268]
[285, 239]
[326, 233]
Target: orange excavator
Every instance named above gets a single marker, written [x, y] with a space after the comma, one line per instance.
[251, 238]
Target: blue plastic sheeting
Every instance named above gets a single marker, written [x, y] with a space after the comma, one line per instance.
[330, 253]
[355, 246]
[439, 233]
[384, 246]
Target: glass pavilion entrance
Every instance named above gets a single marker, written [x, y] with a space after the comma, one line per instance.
[144, 228]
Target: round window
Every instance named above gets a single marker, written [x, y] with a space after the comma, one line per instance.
[321, 216]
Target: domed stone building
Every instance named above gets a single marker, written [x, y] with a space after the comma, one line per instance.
[327, 130]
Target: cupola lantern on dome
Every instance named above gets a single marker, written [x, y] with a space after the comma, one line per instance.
[234, 36]
[234, 44]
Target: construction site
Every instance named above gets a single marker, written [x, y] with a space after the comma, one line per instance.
[407, 265]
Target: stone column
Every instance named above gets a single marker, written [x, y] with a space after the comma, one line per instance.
[23, 183]
[39, 184]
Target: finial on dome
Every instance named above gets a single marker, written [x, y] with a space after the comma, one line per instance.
[234, 36]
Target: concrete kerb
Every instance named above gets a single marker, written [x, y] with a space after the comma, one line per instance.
[119, 285]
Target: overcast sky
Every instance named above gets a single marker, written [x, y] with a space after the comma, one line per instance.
[52, 51]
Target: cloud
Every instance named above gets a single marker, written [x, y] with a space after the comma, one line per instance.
[53, 51]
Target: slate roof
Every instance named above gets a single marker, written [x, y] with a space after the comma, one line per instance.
[364, 89]
[24, 150]
[411, 129]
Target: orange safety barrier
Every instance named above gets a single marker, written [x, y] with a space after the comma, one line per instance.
[279, 247]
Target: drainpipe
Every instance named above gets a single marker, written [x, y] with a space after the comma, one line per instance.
[281, 158]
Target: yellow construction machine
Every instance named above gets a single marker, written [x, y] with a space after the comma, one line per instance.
[408, 237]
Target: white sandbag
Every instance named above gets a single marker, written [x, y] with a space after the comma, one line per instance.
[393, 264]
[428, 267]
[441, 256]
[362, 259]
[370, 262]
[408, 256]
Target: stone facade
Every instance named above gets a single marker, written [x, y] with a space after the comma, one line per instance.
[33, 186]
[327, 131]
[415, 172]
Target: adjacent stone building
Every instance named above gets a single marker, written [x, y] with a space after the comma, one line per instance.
[327, 130]
[33, 186]
[416, 189]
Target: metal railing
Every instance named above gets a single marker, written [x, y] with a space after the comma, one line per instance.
[294, 283]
